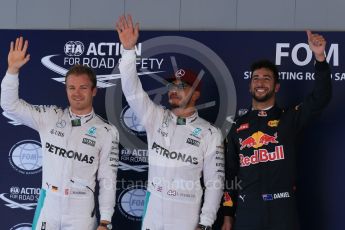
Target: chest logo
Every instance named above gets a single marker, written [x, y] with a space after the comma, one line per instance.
[196, 132]
[89, 142]
[257, 140]
[243, 127]
[60, 124]
[92, 131]
[262, 113]
[273, 123]
[193, 142]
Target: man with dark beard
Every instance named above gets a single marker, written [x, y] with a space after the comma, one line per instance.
[261, 149]
[182, 147]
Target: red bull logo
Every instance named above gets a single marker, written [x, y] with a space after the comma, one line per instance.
[257, 140]
[227, 200]
[262, 155]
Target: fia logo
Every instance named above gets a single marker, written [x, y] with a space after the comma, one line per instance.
[74, 48]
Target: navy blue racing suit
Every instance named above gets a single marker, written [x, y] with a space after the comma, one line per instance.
[261, 160]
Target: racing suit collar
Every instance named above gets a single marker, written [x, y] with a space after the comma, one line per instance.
[187, 120]
[265, 112]
[78, 120]
[268, 112]
[265, 109]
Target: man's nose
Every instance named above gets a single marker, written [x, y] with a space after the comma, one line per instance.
[173, 90]
[77, 92]
[260, 81]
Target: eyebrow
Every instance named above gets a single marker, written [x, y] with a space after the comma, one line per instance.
[86, 85]
[266, 75]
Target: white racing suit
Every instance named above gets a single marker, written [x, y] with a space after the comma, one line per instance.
[73, 157]
[179, 154]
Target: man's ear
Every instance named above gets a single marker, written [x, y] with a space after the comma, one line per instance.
[196, 95]
[94, 91]
[277, 87]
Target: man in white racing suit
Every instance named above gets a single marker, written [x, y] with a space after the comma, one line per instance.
[78, 147]
[182, 147]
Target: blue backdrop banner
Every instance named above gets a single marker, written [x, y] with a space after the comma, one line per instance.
[224, 58]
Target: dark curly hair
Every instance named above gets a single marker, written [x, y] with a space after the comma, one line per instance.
[268, 65]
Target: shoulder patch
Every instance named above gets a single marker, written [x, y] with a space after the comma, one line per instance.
[243, 126]
[242, 112]
[227, 200]
[231, 119]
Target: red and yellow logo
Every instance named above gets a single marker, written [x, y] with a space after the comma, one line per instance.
[243, 127]
[273, 123]
[257, 140]
[227, 200]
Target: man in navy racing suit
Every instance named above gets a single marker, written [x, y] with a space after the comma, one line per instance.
[261, 149]
[182, 147]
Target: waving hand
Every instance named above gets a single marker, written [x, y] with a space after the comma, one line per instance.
[128, 33]
[17, 57]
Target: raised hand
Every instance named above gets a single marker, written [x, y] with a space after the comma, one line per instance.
[317, 44]
[17, 57]
[128, 33]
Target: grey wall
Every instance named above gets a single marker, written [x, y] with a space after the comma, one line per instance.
[175, 14]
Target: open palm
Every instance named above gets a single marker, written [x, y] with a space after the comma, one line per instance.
[128, 33]
[17, 57]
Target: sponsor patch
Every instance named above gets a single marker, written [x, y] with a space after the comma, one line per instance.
[181, 121]
[60, 124]
[89, 142]
[164, 134]
[273, 123]
[78, 193]
[57, 133]
[262, 113]
[193, 142]
[257, 140]
[76, 122]
[196, 133]
[172, 155]
[267, 197]
[54, 189]
[281, 195]
[61, 152]
[262, 155]
[275, 196]
[242, 112]
[227, 200]
[92, 131]
[243, 127]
